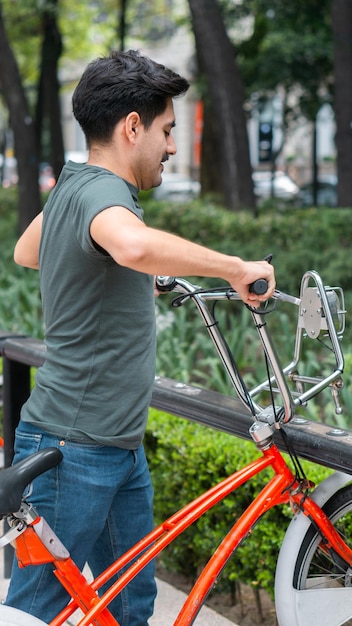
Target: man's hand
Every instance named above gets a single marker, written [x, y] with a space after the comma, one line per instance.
[252, 271]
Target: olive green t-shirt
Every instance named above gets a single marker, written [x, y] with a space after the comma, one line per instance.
[97, 379]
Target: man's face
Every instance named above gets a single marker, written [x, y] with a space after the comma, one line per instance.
[155, 146]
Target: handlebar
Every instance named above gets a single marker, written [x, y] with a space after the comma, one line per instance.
[169, 283]
[320, 311]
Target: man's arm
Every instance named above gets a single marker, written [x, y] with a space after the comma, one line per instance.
[27, 248]
[133, 244]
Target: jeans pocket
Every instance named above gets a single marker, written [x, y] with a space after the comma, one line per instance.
[26, 442]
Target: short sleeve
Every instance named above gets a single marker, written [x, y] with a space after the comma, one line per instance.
[98, 194]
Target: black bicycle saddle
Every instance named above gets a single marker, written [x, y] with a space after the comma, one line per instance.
[14, 479]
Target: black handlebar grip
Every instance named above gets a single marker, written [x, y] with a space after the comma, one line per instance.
[259, 287]
[165, 283]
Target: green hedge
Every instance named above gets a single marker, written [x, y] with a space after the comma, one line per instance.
[300, 239]
[20, 306]
[185, 460]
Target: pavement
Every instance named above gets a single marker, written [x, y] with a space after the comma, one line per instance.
[168, 603]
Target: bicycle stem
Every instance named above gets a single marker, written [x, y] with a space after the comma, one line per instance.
[268, 346]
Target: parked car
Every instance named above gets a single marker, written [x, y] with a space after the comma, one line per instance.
[326, 192]
[46, 174]
[177, 188]
[8, 167]
[46, 177]
[284, 188]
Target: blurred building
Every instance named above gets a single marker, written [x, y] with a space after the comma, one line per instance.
[168, 42]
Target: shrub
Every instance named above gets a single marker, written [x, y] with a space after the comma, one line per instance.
[299, 239]
[20, 306]
[185, 460]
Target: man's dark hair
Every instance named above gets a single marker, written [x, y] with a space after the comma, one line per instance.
[113, 86]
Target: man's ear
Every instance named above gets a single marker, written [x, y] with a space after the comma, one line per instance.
[132, 125]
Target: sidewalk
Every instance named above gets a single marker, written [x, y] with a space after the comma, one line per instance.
[168, 603]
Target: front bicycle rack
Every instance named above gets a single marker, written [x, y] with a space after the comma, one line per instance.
[321, 314]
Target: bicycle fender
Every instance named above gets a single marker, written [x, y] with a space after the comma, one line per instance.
[285, 602]
[14, 617]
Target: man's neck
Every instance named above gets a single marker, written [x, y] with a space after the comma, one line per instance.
[106, 158]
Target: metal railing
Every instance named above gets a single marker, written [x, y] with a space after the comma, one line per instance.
[317, 442]
[331, 447]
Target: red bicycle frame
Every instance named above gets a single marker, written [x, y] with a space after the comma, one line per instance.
[282, 488]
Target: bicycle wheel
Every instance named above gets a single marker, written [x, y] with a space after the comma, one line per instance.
[318, 589]
[14, 617]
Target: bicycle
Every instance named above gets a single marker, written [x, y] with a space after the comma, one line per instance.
[313, 577]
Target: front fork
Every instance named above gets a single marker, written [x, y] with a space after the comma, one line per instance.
[331, 538]
[261, 433]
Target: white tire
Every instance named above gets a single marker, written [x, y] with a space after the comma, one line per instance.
[298, 601]
[14, 617]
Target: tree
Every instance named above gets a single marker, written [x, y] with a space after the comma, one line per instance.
[30, 49]
[22, 126]
[122, 25]
[290, 49]
[33, 41]
[342, 37]
[217, 61]
[48, 110]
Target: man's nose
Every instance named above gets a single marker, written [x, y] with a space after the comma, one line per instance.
[171, 145]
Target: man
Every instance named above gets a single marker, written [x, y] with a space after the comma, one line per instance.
[97, 261]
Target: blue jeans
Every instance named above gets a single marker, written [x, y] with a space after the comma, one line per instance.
[98, 501]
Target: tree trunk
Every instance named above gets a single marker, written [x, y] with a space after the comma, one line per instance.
[23, 130]
[210, 176]
[342, 36]
[48, 115]
[122, 25]
[217, 61]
